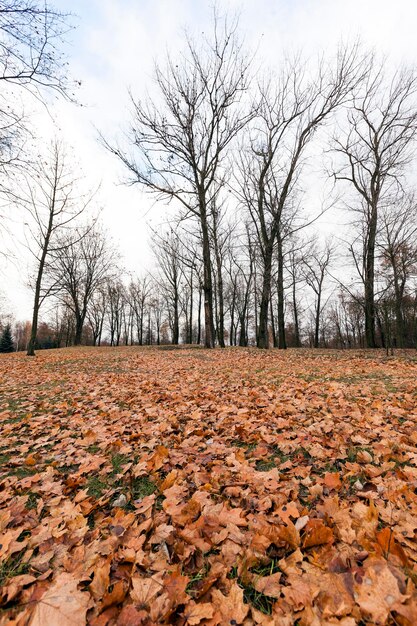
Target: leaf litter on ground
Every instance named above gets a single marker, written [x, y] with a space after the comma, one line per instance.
[143, 486]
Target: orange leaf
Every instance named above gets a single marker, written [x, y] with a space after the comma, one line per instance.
[332, 480]
[388, 545]
[317, 534]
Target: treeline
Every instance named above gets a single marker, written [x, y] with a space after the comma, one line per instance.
[241, 158]
[98, 304]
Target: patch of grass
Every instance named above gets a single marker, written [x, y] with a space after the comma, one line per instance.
[5, 458]
[265, 466]
[142, 486]
[258, 600]
[33, 499]
[195, 579]
[12, 567]
[22, 471]
[238, 443]
[93, 449]
[96, 486]
[13, 420]
[266, 569]
[68, 469]
[117, 461]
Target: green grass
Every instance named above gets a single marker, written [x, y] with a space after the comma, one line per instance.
[258, 600]
[195, 579]
[33, 499]
[238, 443]
[4, 458]
[12, 567]
[265, 466]
[118, 461]
[142, 486]
[96, 486]
[22, 471]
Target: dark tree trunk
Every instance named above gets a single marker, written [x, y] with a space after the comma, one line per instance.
[369, 282]
[200, 293]
[263, 331]
[317, 321]
[274, 334]
[282, 341]
[296, 320]
[208, 281]
[79, 323]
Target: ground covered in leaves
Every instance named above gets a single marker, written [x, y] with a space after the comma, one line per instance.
[156, 486]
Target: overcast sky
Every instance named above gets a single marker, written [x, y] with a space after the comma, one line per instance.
[115, 45]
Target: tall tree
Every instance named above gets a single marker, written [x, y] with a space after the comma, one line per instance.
[291, 109]
[181, 136]
[398, 255]
[6, 340]
[49, 196]
[375, 149]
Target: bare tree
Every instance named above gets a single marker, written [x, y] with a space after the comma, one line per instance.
[375, 150]
[398, 255]
[49, 196]
[290, 111]
[168, 253]
[31, 36]
[81, 263]
[181, 136]
[31, 32]
[316, 262]
[96, 314]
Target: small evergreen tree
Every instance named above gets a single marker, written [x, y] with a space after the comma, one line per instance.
[6, 340]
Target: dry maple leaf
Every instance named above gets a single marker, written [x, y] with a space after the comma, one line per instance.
[230, 607]
[269, 585]
[62, 604]
[378, 591]
[195, 613]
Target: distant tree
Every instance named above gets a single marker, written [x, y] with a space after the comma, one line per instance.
[6, 340]
[398, 257]
[81, 263]
[316, 264]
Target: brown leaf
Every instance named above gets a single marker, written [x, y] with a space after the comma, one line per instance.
[269, 585]
[62, 604]
[230, 607]
[194, 613]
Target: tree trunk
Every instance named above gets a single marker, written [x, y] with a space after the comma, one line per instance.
[176, 325]
[274, 334]
[207, 284]
[36, 303]
[263, 333]
[282, 341]
[296, 320]
[220, 297]
[369, 283]
[200, 293]
[317, 321]
[79, 323]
